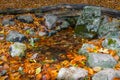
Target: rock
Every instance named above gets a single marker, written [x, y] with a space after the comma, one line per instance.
[2, 37]
[39, 15]
[41, 33]
[112, 43]
[101, 60]
[84, 49]
[88, 23]
[50, 20]
[106, 74]
[15, 36]
[72, 73]
[8, 22]
[3, 72]
[64, 25]
[71, 20]
[115, 34]
[25, 18]
[109, 27]
[52, 32]
[17, 49]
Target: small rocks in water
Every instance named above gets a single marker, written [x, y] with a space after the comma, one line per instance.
[8, 22]
[50, 20]
[25, 18]
[88, 23]
[17, 49]
[15, 36]
[72, 73]
[84, 49]
[101, 60]
[106, 74]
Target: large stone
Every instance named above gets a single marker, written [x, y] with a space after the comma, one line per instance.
[115, 34]
[8, 22]
[106, 74]
[109, 27]
[15, 36]
[112, 43]
[25, 18]
[84, 49]
[50, 20]
[17, 49]
[88, 23]
[72, 73]
[101, 60]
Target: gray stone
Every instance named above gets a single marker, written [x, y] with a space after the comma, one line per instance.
[52, 32]
[109, 27]
[115, 34]
[8, 22]
[72, 73]
[25, 18]
[89, 22]
[17, 49]
[106, 74]
[84, 49]
[101, 60]
[3, 72]
[50, 20]
[64, 25]
[42, 33]
[112, 43]
[15, 36]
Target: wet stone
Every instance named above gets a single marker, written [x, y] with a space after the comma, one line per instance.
[15, 36]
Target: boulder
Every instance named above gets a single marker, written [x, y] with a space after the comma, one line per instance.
[72, 73]
[88, 23]
[25, 18]
[106, 74]
[101, 60]
[109, 27]
[17, 49]
[15, 36]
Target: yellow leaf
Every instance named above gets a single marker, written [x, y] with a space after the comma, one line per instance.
[38, 70]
